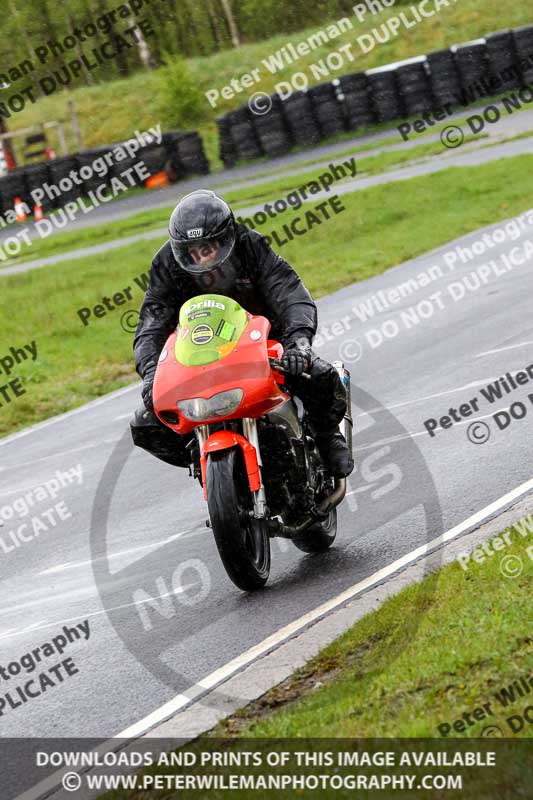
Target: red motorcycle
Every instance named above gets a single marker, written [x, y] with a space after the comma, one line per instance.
[220, 380]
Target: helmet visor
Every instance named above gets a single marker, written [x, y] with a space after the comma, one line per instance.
[199, 256]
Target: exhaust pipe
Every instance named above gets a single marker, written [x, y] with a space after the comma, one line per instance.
[328, 504]
[346, 426]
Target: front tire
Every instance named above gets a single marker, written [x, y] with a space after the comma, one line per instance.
[242, 541]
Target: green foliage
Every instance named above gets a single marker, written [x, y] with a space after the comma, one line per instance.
[181, 102]
[257, 18]
[111, 111]
[193, 28]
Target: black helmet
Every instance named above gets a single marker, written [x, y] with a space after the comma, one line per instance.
[202, 221]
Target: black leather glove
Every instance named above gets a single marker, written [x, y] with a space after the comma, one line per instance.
[297, 355]
[148, 385]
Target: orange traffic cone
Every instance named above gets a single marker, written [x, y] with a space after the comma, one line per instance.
[20, 210]
[157, 181]
[38, 213]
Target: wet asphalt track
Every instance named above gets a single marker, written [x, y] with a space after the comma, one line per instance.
[156, 540]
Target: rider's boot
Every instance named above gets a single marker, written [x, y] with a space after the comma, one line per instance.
[335, 452]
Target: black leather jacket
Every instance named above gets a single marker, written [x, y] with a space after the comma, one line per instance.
[261, 281]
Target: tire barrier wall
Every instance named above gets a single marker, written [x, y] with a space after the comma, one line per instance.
[180, 155]
[454, 77]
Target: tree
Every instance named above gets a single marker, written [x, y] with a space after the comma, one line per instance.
[234, 31]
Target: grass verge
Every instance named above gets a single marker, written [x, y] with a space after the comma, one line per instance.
[381, 227]
[471, 650]
[371, 165]
[471, 643]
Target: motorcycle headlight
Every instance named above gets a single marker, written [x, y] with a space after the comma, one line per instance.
[199, 409]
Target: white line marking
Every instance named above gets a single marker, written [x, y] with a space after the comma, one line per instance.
[359, 489]
[427, 397]
[58, 453]
[218, 676]
[92, 589]
[87, 407]
[59, 568]
[502, 349]
[21, 490]
[402, 436]
[33, 628]
[153, 546]
[72, 594]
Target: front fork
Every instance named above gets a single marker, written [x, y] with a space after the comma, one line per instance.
[249, 427]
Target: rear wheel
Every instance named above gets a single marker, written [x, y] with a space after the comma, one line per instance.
[319, 536]
[242, 541]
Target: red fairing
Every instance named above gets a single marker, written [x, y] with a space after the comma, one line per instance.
[246, 367]
[223, 440]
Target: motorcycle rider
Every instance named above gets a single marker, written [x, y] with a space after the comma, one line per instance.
[208, 252]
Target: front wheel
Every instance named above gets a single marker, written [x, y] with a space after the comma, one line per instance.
[242, 541]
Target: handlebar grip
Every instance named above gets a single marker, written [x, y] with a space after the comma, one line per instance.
[278, 365]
